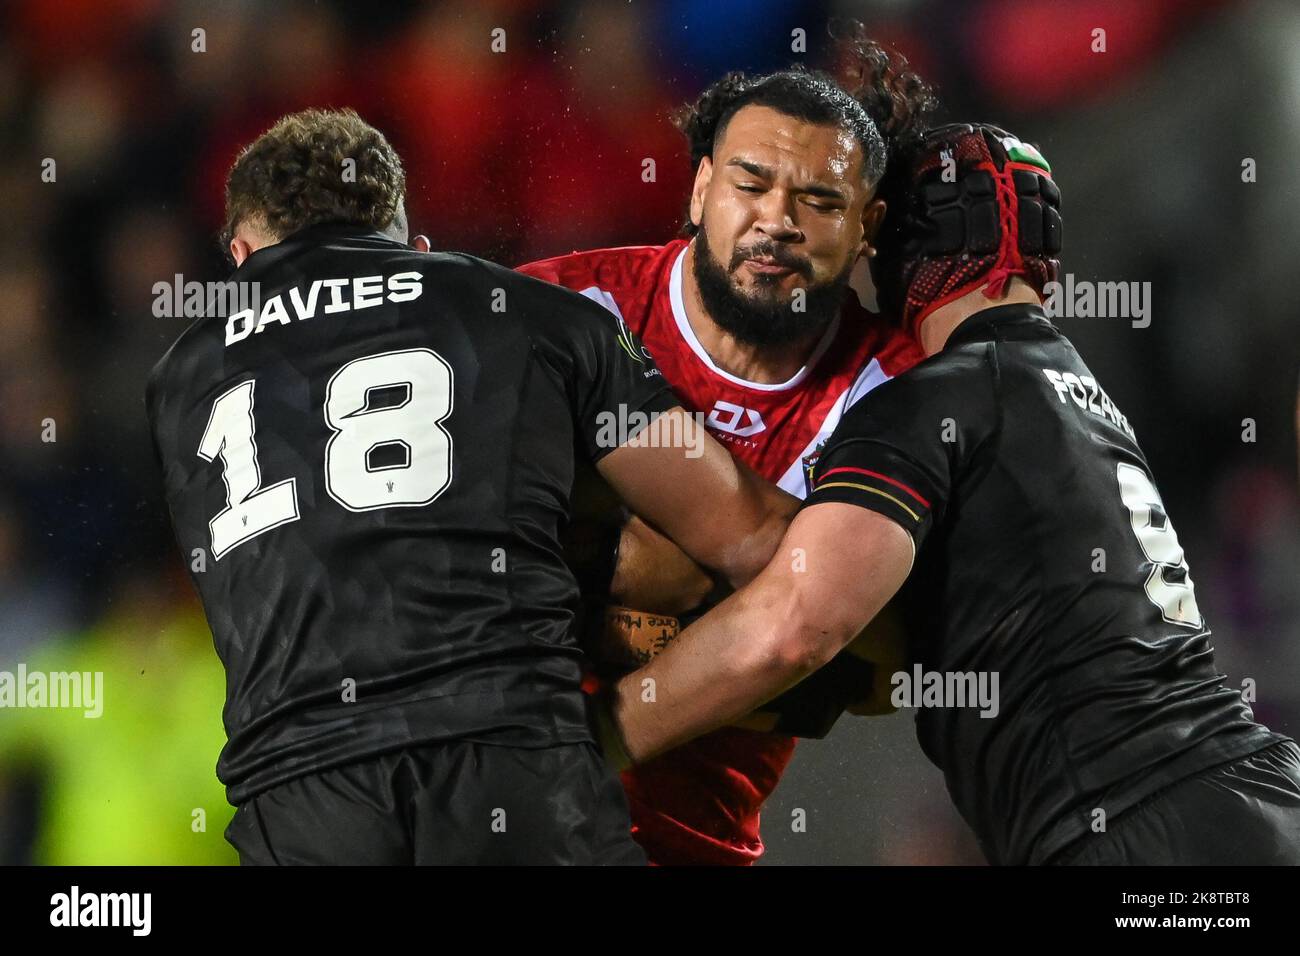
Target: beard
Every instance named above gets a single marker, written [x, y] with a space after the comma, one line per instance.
[766, 317]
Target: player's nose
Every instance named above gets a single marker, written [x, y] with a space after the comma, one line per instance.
[776, 220]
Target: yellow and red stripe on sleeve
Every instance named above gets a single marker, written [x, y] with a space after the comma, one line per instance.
[874, 491]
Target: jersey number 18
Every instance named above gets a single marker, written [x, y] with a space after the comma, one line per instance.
[408, 431]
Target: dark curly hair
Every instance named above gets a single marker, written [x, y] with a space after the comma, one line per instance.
[867, 89]
[292, 176]
[897, 99]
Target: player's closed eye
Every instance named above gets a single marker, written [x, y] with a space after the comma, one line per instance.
[820, 207]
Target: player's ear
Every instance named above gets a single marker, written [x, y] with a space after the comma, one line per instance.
[872, 216]
[703, 175]
[240, 249]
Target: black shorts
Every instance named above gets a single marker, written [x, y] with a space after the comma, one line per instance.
[444, 804]
[1243, 813]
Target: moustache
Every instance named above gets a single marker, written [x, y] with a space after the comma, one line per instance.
[779, 254]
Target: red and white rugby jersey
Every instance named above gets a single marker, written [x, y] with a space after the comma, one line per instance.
[775, 429]
[699, 803]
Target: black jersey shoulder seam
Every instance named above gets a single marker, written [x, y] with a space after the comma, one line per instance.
[986, 450]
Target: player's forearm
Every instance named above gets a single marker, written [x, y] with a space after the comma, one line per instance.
[721, 514]
[751, 648]
[746, 551]
[734, 526]
[653, 574]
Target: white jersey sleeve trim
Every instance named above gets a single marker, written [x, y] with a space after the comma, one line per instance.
[596, 294]
[871, 375]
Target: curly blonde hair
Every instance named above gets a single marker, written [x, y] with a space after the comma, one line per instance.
[294, 175]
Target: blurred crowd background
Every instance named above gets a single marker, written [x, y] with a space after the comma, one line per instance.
[538, 151]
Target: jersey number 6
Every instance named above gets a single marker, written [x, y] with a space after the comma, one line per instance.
[383, 454]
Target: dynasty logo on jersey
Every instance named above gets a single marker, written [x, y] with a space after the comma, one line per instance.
[735, 419]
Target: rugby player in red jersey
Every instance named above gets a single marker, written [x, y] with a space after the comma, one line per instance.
[753, 323]
[1106, 734]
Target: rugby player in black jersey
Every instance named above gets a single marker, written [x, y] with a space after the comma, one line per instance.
[985, 483]
[371, 469]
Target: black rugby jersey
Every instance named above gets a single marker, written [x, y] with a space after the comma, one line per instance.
[1046, 561]
[371, 470]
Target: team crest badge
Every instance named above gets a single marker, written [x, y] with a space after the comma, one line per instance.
[809, 463]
